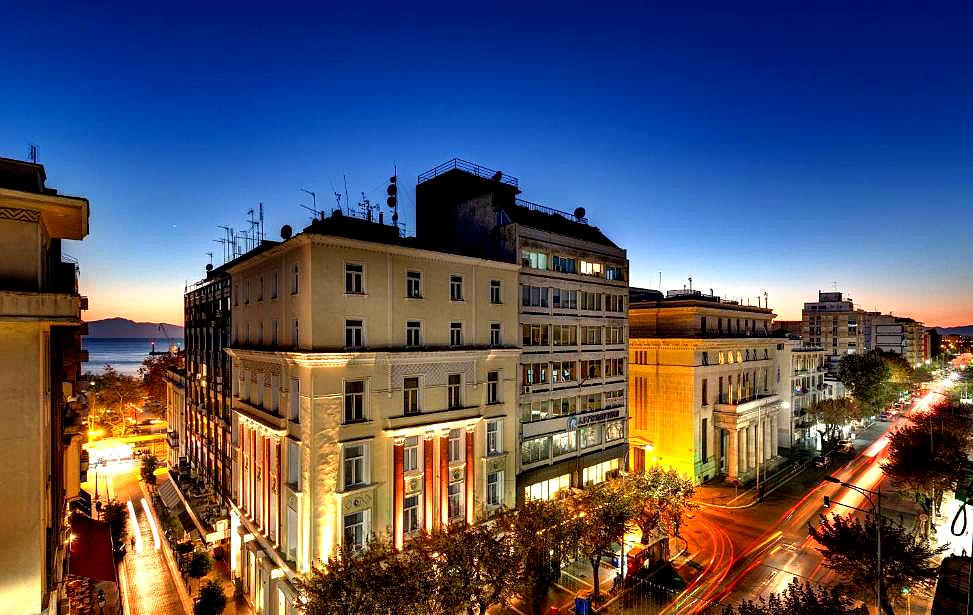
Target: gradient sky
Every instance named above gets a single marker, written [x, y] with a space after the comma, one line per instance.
[749, 149]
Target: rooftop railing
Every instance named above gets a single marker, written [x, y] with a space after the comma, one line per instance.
[551, 210]
[469, 167]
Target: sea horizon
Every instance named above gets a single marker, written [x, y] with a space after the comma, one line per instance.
[125, 354]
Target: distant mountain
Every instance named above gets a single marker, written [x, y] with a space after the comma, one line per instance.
[123, 327]
[964, 330]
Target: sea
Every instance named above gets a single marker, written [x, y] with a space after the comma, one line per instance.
[122, 353]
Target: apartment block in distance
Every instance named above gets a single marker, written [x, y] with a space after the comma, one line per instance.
[703, 384]
[374, 391]
[43, 412]
[571, 294]
[832, 323]
[802, 373]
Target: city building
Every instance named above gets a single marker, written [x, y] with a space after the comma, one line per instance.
[704, 385]
[790, 328]
[932, 342]
[833, 324]
[802, 370]
[898, 335]
[176, 416]
[43, 410]
[374, 391]
[572, 292]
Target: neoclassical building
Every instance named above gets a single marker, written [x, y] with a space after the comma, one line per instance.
[374, 390]
[703, 385]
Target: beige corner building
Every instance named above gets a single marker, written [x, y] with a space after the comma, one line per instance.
[704, 387]
[833, 323]
[374, 391]
[41, 412]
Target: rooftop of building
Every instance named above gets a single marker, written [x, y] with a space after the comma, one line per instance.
[650, 298]
[459, 180]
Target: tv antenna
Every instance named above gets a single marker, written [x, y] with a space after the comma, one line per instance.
[834, 286]
[210, 255]
[32, 152]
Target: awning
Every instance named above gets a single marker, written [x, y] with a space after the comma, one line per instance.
[91, 549]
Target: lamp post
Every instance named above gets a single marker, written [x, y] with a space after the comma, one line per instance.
[877, 510]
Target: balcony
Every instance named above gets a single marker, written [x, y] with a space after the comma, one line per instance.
[436, 417]
[50, 306]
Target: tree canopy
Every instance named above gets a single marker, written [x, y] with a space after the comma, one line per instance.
[835, 413]
[800, 599]
[111, 398]
[153, 373]
[661, 499]
[211, 599]
[867, 377]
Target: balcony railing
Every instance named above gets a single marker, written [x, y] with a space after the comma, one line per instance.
[469, 167]
[550, 210]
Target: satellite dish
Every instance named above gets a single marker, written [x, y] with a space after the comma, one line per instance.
[579, 213]
[498, 176]
[286, 231]
[209, 266]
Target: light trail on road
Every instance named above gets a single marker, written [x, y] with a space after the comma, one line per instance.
[135, 527]
[152, 525]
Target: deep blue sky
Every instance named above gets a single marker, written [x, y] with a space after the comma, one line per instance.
[755, 148]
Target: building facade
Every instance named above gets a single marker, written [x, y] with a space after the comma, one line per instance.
[833, 323]
[374, 390]
[803, 372]
[572, 324]
[176, 416]
[43, 409]
[704, 385]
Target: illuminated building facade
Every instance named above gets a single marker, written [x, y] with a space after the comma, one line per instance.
[374, 391]
[572, 298]
[704, 385]
[802, 370]
[176, 414]
[833, 323]
[40, 361]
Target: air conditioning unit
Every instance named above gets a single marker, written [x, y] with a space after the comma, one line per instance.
[525, 389]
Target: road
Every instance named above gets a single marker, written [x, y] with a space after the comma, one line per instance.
[148, 587]
[746, 553]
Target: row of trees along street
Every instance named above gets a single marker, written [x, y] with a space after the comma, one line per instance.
[514, 554]
[113, 394]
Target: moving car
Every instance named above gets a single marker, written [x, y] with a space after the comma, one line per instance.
[846, 446]
[821, 461]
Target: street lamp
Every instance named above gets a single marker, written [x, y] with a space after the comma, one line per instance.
[877, 510]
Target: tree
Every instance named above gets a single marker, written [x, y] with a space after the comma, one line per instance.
[661, 498]
[211, 599]
[149, 466]
[116, 515]
[800, 599]
[834, 414]
[153, 373]
[199, 565]
[866, 376]
[540, 534]
[478, 566]
[602, 512]
[113, 395]
[849, 547]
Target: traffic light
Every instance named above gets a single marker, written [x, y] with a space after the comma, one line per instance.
[827, 501]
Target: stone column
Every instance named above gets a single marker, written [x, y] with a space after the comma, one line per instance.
[771, 451]
[444, 479]
[428, 470]
[398, 491]
[775, 432]
[470, 485]
[733, 456]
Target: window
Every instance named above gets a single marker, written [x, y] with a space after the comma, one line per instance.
[291, 533]
[565, 443]
[495, 294]
[533, 296]
[354, 401]
[538, 449]
[455, 288]
[614, 430]
[563, 371]
[294, 464]
[591, 335]
[275, 393]
[533, 260]
[455, 502]
[246, 293]
[353, 278]
[295, 279]
[704, 440]
[260, 289]
[705, 392]
[614, 303]
[453, 390]
[354, 466]
[413, 333]
[295, 400]
[589, 268]
[614, 399]
[410, 454]
[599, 472]
[354, 333]
[455, 334]
[614, 368]
[236, 295]
[590, 436]
[354, 530]
[590, 301]
[563, 264]
[494, 334]
[702, 324]
[547, 489]
[410, 514]
[273, 333]
[413, 285]
[273, 286]
[705, 358]
[535, 335]
[410, 395]
[493, 388]
[494, 489]
[494, 444]
[614, 335]
[564, 299]
[564, 335]
[591, 369]
[534, 373]
[295, 333]
[455, 445]
[614, 273]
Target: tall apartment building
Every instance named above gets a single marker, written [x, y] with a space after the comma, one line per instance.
[176, 410]
[898, 335]
[573, 327]
[832, 323]
[704, 387]
[802, 372]
[374, 390]
[42, 410]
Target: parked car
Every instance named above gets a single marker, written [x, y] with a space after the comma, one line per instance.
[821, 461]
[846, 446]
[885, 416]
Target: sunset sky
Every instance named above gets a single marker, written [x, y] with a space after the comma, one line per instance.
[753, 150]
